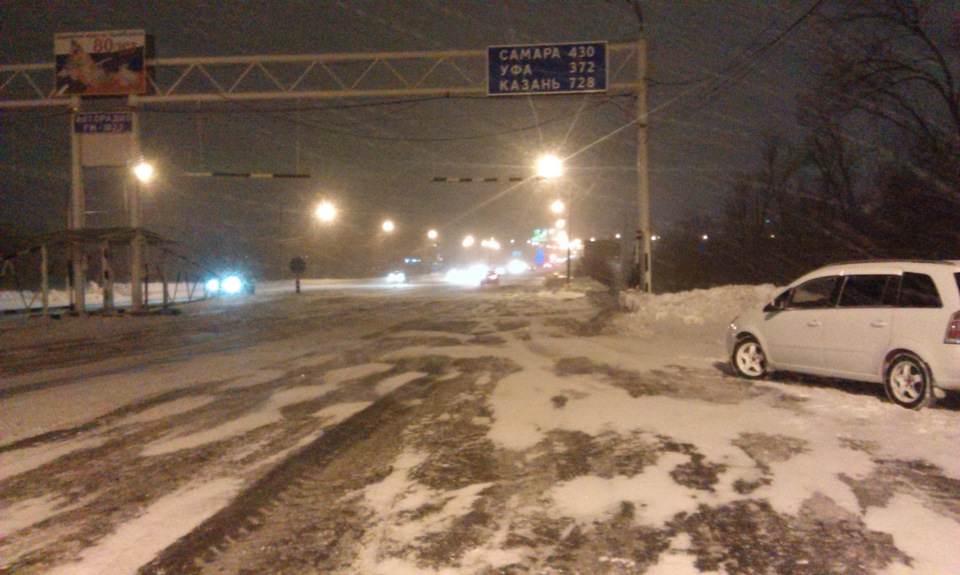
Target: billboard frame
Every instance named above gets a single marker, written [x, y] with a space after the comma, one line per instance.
[107, 63]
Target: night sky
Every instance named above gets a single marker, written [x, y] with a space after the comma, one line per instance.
[711, 100]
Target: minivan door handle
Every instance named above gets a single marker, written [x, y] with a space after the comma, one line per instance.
[879, 323]
[813, 323]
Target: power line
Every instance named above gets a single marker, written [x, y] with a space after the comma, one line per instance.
[750, 56]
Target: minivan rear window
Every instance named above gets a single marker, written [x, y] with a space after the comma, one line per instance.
[918, 290]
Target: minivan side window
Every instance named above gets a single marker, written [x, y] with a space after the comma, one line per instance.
[814, 294]
[878, 290]
[918, 290]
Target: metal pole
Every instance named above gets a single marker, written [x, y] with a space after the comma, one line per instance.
[106, 276]
[569, 229]
[45, 277]
[136, 245]
[643, 186]
[76, 214]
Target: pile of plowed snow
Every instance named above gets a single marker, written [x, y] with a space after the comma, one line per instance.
[689, 311]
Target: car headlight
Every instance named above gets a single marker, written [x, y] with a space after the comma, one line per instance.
[213, 285]
[232, 285]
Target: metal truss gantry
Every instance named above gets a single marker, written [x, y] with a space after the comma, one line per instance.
[226, 79]
[322, 76]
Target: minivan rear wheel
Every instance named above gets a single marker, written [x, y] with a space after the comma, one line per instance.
[907, 381]
[748, 359]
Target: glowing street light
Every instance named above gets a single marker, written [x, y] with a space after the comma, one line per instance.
[492, 244]
[549, 167]
[558, 207]
[388, 226]
[468, 241]
[432, 235]
[143, 171]
[325, 212]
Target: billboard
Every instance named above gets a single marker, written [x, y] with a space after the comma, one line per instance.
[100, 63]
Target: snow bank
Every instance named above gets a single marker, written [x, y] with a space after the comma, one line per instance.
[688, 312]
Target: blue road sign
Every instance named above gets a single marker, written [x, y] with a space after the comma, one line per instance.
[547, 69]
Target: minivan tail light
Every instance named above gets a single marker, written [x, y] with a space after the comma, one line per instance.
[953, 329]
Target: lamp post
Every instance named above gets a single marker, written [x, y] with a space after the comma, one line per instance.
[143, 172]
[492, 245]
[325, 212]
[433, 249]
[550, 167]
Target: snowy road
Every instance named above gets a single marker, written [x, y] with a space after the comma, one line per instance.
[432, 430]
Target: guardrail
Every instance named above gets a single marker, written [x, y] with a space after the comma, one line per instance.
[38, 279]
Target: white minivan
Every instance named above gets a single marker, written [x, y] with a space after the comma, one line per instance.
[892, 322]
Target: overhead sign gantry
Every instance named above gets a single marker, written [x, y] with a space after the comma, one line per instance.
[565, 68]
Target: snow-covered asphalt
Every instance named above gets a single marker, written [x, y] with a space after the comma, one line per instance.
[439, 430]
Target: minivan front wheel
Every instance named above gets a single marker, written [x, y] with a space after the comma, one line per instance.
[748, 359]
[907, 381]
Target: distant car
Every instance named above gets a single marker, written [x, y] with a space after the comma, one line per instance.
[895, 323]
[397, 277]
[491, 278]
[230, 284]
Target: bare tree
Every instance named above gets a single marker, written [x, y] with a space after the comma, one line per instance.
[762, 205]
[897, 62]
[756, 207]
[830, 151]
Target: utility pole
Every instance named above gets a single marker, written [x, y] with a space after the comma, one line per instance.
[642, 252]
[77, 210]
[643, 256]
[136, 242]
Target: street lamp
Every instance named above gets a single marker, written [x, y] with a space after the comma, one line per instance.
[493, 245]
[433, 237]
[143, 172]
[550, 167]
[325, 211]
[387, 226]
